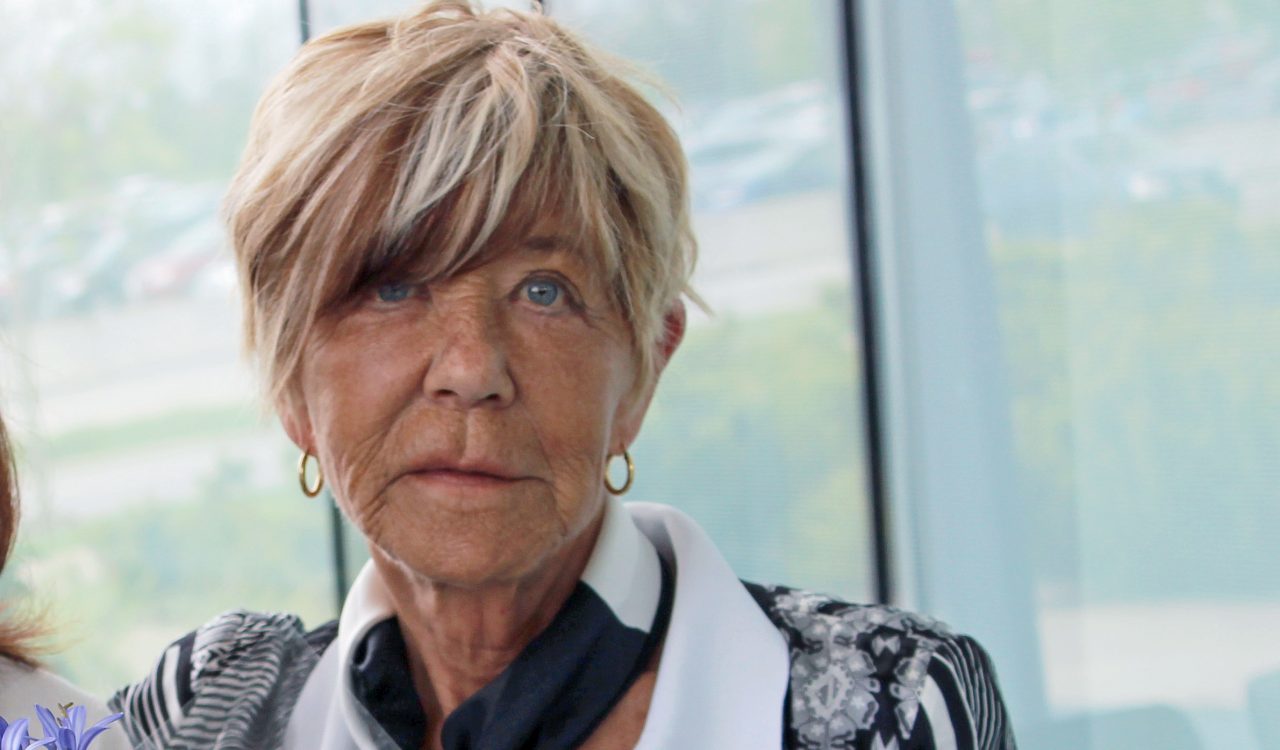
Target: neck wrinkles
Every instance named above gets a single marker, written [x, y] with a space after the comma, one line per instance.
[459, 639]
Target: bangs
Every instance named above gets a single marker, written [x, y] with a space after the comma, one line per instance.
[452, 237]
[453, 210]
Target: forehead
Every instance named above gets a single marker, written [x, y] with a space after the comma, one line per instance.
[450, 239]
[548, 235]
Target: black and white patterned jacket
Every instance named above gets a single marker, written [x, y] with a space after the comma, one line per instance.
[868, 677]
[863, 677]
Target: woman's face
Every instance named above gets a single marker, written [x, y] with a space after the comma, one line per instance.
[464, 427]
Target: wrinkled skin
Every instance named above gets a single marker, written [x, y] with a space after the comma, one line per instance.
[465, 428]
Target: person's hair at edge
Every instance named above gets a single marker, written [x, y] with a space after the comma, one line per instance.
[418, 147]
[17, 632]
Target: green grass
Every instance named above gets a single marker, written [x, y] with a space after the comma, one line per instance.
[127, 436]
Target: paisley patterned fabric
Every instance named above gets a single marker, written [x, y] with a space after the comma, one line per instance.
[868, 677]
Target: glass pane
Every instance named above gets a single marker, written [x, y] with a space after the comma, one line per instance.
[1129, 171]
[756, 430]
[326, 15]
[155, 493]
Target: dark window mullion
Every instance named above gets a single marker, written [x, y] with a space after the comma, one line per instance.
[304, 20]
[864, 292]
[336, 529]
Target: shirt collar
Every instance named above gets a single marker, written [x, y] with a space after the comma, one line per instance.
[724, 672]
[725, 668]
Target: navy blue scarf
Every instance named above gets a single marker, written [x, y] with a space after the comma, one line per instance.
[555, 693]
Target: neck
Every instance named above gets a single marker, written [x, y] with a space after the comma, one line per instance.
[460, 638]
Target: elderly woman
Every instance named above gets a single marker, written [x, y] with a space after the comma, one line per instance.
[463, 240]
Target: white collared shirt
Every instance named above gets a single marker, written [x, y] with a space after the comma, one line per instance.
[722, 678]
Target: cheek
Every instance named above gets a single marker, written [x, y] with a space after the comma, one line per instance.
[571, 400]
[355, 387]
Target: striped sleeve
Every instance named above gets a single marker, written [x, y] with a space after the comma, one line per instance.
[153, 706]
[206, 684]
[961, 700]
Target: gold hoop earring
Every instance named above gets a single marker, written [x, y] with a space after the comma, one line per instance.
[310, 490]
[631, 475]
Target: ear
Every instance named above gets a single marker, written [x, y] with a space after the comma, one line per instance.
[672, 334]
[630, 420]
[296, 420]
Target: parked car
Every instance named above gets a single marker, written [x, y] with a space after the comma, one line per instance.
[172, 271]
[72, 258]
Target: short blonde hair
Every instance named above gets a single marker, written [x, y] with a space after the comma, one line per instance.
[416, 145]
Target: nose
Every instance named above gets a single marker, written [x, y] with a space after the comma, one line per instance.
[469, 369]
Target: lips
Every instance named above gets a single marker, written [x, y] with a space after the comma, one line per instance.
[466, 471]
[469, 477]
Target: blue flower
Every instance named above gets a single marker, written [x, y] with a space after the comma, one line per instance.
[68, 733]
[14, 736]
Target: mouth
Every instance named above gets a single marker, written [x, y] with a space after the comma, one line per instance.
[466, 474]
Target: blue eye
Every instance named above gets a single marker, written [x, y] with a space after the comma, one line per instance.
[394, 292]
[542, 292]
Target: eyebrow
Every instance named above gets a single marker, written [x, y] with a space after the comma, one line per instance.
[548, 243]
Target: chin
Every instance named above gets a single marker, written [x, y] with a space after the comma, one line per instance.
[471, 551]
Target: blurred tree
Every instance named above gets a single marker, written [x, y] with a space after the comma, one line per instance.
[764, 410]
[100, 91]
[1082, 44]
[715, 50]
[1143, 395]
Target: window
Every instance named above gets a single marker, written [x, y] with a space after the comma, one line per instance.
[1072, 232]
[756, 430]
[155, 493]
[1076, 244]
